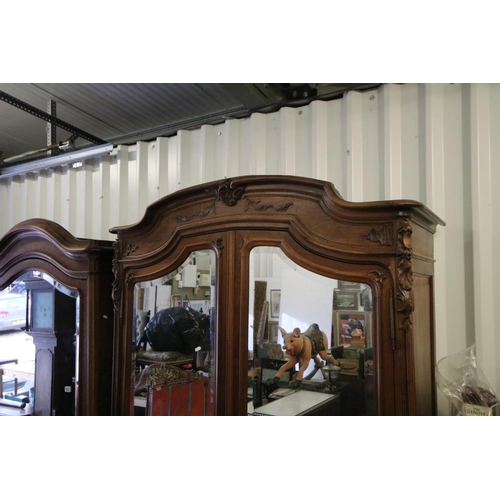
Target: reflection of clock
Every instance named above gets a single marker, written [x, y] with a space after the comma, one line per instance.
[43, 309]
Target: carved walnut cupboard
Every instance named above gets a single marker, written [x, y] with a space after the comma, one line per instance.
[76, 342]
[387, 246]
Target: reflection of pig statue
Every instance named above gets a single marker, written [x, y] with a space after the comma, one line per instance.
[302, 348]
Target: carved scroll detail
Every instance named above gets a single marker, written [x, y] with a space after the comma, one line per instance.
[378, 276]
[383, 235]
[129, 277]
[404, 293]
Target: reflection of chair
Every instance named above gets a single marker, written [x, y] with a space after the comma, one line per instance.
[271, 366]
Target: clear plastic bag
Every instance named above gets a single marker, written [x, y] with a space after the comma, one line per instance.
[464, 384]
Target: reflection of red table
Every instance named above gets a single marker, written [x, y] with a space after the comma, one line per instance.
[179, 399]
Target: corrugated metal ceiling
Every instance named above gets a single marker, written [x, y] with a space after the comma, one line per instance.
[121, 113]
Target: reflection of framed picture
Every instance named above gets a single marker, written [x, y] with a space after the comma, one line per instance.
[345, 299]
[273, 332]
[275, 302]
[352, 329]
[347, 285]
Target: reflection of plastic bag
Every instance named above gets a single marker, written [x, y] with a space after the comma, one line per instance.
[464, 384]
[179, 329]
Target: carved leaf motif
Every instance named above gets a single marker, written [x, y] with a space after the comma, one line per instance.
[129, 248]
[405, 303]
[261, 208]
[201, 213]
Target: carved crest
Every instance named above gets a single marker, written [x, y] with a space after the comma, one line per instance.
[229, 194]
[225, 192]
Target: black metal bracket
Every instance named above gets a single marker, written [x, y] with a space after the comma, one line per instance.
[49, 118]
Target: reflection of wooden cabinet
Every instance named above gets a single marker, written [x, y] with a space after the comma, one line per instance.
[386, 245]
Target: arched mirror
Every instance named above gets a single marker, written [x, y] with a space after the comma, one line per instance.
[174, 320]
[310, 340]
[291, 258]
[66, 286]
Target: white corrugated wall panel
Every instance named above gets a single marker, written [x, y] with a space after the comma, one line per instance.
[436, 143]
[485, 107]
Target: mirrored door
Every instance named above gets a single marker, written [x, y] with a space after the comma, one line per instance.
[173, 340]
[310, 341]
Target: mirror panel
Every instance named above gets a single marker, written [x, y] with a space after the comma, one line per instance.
[293, 314]
[39, 353]
[173, 339]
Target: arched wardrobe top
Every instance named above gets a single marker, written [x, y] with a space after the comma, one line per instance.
[275, 200]
[383, 244]
[81, 265]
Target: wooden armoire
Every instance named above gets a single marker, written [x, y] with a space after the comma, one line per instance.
[387, 245]
[84, 267]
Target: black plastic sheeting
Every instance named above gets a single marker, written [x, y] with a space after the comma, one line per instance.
[180, 329]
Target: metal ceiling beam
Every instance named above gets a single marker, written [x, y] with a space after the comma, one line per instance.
[56, 161]
[49, 118]
[51, 128]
